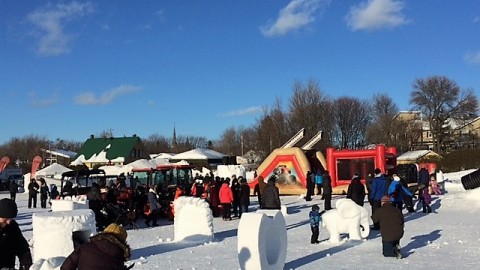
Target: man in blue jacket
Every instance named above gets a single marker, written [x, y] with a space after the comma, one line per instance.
[377, 190]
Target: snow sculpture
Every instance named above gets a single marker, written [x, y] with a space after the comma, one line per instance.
[348, 217]
[262, 240]
[193, 220]
[70, 203]
[49, 264]
[284, 209]
[55, 234]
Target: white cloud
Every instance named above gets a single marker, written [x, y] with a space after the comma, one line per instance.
[241, 112]
[473, 58]
[43, 102]
[51, 21]
[297, 14]
[89, 98]
[376, 14]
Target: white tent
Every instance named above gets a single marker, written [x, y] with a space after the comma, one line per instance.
[55, 170]
[198, 154]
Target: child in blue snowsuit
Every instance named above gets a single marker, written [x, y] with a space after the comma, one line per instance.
[315, 218]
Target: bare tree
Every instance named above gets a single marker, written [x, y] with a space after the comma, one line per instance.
[385, 127]
[351, 119]
[310, 109]
[229, 142]
[271, 130]
[155, 144]
[440, 99]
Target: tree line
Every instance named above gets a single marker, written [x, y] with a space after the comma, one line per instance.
[346, 122]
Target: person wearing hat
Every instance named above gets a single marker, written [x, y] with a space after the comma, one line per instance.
[391, 223]
[12, 242]
[106, 250]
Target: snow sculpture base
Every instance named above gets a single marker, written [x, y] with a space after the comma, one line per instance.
[262, 240]
[54, 232]
[193, 220]
[70, 203]
[49, 264]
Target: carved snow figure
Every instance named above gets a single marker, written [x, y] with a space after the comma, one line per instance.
[193, 209]
[347, 217]
[262, 240]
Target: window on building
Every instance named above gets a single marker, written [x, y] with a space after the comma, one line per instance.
[133, 153]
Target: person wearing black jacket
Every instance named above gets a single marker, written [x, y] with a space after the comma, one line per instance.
[327, 191]
[13, 188]
[271, 195]
[244, 195]
[391, 223]
[356, 190]
[32, 193]
[12, 242]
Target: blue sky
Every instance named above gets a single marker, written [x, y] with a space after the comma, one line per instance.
[69, 69]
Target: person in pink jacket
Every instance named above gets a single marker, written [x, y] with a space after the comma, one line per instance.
[226, 198]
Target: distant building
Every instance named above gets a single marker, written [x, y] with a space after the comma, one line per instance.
[60, 156]
[96, 152]
[462, 134]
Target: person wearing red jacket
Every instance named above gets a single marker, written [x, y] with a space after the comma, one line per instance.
[226, 198]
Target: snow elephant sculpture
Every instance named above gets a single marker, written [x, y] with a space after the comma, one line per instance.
[347, 217]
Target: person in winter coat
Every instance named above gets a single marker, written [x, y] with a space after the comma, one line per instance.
[391, 223]
[107, 250]
[271, 195]
[33, 189]
[53, 193]
[226, 199]
[426, 200]
[214, 199]
[315, 218]
[236, 196]
[258, 190]
[244, 196]
[396, 191]
[13, 188]
[356, 190]
[310, 183]
[68, 190]
[377, 190]
[12, 242]
[154, 207]
[423, 182]
[43, 193]
[327, 191]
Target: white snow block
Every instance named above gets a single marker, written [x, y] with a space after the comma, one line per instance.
[70, 203]
[262, 240]
[284, 210]
[49, 264]
[54, 232]
[193, 220]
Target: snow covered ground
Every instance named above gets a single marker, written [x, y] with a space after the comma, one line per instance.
[445, 239]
